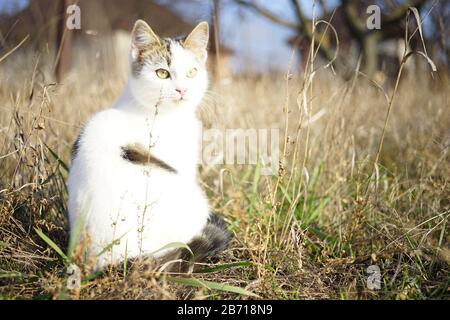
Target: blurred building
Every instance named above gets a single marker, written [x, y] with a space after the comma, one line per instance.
[105, 28]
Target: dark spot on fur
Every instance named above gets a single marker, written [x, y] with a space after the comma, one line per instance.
[139, 155]
[76, 146]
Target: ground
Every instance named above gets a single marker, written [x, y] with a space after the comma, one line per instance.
[341, 201]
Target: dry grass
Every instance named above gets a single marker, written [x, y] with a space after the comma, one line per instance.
[311, 232]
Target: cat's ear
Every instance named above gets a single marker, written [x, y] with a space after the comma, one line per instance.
[197, 40]
[142, 37]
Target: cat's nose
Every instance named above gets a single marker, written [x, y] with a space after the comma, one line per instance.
[181, 91]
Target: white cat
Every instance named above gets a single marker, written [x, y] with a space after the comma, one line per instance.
[133, 179]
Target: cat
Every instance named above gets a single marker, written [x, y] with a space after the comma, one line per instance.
[133, 178]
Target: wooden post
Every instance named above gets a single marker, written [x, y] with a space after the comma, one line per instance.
[216, 28]
[64, 42]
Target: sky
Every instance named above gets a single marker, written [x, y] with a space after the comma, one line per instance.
[12, 5]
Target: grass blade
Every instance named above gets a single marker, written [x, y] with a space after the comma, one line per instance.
[110, 245]
[193, 282]
[52, 244]
[174, 245]
[57, 158]
[221, 267]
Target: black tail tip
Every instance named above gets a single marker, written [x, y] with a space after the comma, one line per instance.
[215, 237]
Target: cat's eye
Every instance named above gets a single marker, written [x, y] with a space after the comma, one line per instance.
[162, 73]
[192, 73]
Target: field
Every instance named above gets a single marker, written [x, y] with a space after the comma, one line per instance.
[364, 181]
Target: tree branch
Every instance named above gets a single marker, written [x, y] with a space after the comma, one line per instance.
[324, 8]
[267, 13]
[304, 24]
[356, 26]
[399, 12]
[298, 11]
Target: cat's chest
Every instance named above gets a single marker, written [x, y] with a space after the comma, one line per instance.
[156, 134]
[171, 140]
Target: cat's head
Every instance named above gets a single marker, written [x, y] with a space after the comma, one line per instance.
[169, 73]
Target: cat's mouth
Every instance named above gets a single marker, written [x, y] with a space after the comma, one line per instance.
[180, 99]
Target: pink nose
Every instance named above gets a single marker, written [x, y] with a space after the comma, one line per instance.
[181, 91]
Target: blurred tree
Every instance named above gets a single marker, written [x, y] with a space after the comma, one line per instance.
[349, 20]
[438, 39]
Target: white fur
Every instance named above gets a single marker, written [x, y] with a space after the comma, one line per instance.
[144, 208]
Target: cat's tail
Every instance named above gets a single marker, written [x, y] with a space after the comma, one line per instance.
[214, 238]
